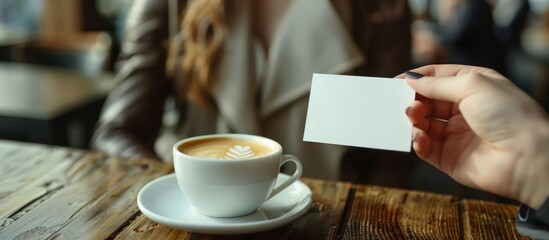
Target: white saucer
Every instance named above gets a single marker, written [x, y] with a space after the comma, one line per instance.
[162, 201]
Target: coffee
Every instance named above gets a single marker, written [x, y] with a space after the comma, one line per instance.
[230, 188]
[224, 148]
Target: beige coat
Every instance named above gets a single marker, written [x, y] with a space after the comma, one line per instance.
[268, 96]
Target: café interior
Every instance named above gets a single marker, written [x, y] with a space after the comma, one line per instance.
[62, 55]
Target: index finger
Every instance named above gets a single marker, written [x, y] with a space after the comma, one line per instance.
[451, 70]
[450, 83]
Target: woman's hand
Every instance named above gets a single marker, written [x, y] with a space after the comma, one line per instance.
[483, 131]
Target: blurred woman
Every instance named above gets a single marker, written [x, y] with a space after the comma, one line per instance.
[243, 67]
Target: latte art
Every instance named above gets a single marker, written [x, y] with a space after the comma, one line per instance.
[239, 152]
[227, 148]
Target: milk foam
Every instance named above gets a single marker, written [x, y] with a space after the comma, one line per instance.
[227, 149]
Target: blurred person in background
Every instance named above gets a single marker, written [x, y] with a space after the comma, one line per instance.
[216, 66]
[466, 30]
[528, 48]
[510, 19]
[457, 31]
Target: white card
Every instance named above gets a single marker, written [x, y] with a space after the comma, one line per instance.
[359, 111]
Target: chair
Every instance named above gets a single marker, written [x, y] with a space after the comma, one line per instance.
[86, 52]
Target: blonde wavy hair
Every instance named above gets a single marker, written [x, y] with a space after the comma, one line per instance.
[203, 32]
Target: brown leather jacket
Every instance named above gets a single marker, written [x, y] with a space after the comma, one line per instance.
[132, 115]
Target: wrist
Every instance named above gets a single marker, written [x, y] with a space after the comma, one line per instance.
[532, 172]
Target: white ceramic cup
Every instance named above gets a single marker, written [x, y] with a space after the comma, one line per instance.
[230, 188]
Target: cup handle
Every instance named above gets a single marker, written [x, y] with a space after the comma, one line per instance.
[292, 179]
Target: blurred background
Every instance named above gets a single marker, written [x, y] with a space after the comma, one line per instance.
[57, 60]
[24, 21]
[511, 36]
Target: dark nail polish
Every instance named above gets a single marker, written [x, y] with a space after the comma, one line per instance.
[413, 75]
[408, 111]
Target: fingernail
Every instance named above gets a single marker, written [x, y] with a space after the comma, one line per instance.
[415, 137]
[413, 75]
[408, 111]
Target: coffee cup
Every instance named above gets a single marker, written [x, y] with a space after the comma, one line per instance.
[230, 175]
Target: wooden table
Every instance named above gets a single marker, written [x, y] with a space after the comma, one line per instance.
[61, 193]
[39, 104]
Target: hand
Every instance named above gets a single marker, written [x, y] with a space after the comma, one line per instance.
[480, 129]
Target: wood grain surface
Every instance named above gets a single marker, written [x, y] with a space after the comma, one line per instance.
[51, 192]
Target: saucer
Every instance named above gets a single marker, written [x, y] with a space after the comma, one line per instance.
[163, 202]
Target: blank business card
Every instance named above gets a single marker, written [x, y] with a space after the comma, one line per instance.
[359, 111]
